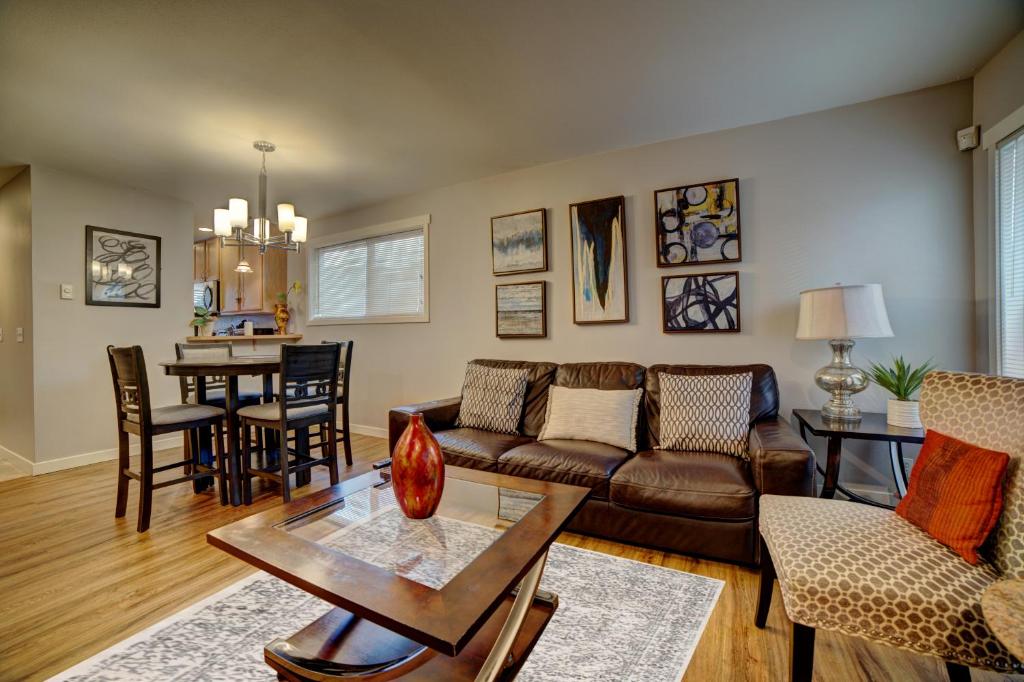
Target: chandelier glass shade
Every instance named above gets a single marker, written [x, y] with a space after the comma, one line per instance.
[236, 227]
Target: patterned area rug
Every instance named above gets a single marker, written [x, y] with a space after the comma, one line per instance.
[617, 620]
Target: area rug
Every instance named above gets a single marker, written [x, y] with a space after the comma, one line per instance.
[617, 620]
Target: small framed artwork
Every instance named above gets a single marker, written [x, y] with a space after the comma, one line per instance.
[521, 310]
[698, 224]
[519, 242]
[121, 268]
[705, 302]
[599, 289]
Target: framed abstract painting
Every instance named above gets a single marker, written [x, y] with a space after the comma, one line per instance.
[698, 224]
[705, 302]
[520, 310]
[519, 243]
[121, 268]
[599, 289]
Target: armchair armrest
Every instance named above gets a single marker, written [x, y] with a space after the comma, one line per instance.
[438, 415]
[782, 463]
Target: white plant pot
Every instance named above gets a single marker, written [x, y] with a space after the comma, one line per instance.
[904, 413]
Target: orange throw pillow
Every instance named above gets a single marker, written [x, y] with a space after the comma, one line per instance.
[955, 493]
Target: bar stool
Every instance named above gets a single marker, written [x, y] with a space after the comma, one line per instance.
[135, 415]
[307, 393]
[344, 375]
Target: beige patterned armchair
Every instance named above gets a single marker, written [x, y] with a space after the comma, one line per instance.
[866, 572]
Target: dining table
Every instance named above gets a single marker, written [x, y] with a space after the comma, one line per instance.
[265, 366]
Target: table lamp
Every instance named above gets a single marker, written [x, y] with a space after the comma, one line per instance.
[840, 314]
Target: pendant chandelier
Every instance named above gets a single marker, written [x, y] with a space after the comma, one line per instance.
[236, 227]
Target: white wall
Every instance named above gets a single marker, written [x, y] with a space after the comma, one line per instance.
[16, 424]
[74, 408]
[998, 92]
[874, 192]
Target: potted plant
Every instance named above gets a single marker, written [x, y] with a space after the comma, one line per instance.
[281, 314]
[903, 381]
[202, 320]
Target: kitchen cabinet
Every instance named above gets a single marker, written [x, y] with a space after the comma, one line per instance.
[254, 292]
[206, 260]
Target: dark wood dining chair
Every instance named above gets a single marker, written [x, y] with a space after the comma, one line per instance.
[307, 397]
[135, 415]
[216, 387]
[344, 376]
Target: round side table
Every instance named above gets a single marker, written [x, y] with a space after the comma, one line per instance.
[1003, 606]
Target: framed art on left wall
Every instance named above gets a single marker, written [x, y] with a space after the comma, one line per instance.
[121, 268]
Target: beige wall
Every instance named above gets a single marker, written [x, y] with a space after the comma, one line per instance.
[998, 92]
[874, 192]
[74, 398]
[16, 431]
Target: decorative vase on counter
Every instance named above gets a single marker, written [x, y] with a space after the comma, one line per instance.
[417, 470]
[281, 317]
[904, 413]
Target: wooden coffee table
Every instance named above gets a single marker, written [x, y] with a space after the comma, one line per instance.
[452, 597]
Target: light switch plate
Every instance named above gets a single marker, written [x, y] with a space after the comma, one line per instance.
[19, 334]
[967, 138]
[67, 292]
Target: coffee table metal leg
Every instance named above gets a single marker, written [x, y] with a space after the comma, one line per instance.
[498, 658]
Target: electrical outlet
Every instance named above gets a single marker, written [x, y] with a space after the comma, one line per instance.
[67, 292]
[1, 334]
[19, 334]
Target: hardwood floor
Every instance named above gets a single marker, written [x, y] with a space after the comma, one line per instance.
[75, 581]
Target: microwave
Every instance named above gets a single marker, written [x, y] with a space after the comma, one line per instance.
[207, 295]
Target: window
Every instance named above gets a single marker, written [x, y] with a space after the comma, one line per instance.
[1010, 255]
[374, 275]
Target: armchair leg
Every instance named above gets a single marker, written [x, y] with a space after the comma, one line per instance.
[764, 596]
[801, 660]
[958, 672]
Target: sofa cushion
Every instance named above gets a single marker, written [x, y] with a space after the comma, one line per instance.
[603, 375]
[764, 393]
[541, 375]
[865, 572]
[492, 398]
[694, 484]
[476, 448]
[575, 462]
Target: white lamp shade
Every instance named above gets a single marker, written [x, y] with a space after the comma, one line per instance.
[221, 222]
[299, 235]
[843, 312]
[285, 217]
[239, 211]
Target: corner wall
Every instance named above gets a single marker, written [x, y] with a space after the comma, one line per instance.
[17, 438]
[874, 192]
[74, 401]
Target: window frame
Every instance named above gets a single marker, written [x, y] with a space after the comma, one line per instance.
[345, 237]
[995, 230]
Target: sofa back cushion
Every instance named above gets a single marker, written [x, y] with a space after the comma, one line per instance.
[540, 377]
[607, 376]
[764, 392]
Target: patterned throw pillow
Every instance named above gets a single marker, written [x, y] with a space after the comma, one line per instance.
[593, 414]
[955, 493]
[492, 398]
[705, 412]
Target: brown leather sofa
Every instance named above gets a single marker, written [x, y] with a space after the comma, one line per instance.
[690, 502]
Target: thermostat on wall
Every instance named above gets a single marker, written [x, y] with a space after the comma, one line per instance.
[67, 292]
[967, 139]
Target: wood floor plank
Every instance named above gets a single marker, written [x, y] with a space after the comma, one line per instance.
[75, 581]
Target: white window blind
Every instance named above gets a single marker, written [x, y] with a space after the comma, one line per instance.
[379, 278]
[1010, 229]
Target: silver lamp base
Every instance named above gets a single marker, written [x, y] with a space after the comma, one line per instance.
[842, 380]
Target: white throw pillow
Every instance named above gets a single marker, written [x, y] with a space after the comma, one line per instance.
[592, 414]
[492, 398]
[705, 412]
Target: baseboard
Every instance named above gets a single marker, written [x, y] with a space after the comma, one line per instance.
[86, 458]
[22, 464]
[374, 431]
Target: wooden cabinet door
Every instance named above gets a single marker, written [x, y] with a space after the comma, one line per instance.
[252, 283]
[275, 277]
[199, 262]
[230, 281]
[212, 259]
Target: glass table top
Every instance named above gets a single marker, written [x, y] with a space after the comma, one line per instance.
[369, 525]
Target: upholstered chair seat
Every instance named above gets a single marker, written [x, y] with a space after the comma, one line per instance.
[180, 414]
[867, 572]
[272, 411]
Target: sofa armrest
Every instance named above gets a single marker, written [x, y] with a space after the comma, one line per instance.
[438, 415]
[782, 463]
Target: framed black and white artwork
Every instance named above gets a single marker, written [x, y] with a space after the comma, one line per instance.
[121, 268]
[704, 302]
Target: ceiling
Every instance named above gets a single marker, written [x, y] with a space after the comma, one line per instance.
[372, 99]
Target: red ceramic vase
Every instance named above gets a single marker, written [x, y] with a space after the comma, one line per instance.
[417, 470]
